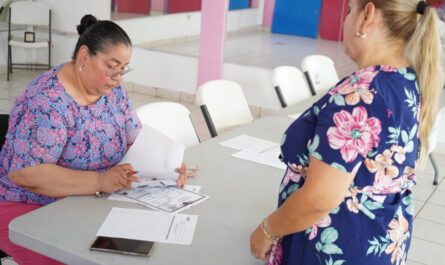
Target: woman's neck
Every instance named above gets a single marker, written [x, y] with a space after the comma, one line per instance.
[75, 87]
[378, 54]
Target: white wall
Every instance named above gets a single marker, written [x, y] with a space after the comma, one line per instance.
[155, 28]
[165, 70]
[152, 68]
[66, 14]
[179, 73]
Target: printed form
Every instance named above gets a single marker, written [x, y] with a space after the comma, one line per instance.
[256, 150]
[149, 226]
[154, 156]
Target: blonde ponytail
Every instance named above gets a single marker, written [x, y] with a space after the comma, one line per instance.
[420, 33]
[424, 52]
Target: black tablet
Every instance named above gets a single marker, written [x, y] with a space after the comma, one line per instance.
[122, 246]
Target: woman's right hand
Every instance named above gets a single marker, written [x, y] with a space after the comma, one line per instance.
[117, 178]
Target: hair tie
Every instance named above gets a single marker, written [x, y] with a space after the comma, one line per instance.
[421, 7]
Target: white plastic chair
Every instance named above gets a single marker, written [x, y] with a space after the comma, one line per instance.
[171, 119]
[223, 105]
[290, 85]
[320, 72]
[432, 142]
[30, 14]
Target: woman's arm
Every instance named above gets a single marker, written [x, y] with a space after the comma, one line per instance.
[57, 181]
[324, 189]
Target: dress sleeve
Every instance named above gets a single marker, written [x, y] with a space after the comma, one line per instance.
[38, 135]
[132, 123]
[349, 124]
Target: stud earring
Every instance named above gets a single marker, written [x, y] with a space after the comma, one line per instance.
[361, 35]
[80, 68]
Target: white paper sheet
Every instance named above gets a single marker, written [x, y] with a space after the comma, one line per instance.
[117, 197]
[149, 226]
[154, 155]
[249, 143]
[166, 198]
[295, 116]
[268, 157]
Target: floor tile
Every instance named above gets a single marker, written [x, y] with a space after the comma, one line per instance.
[441, 185]
[438, 198]
[429, 231]
[418, 205]
[422, 193]
[6, 104]
[265, 49]
[426, 252]
[410, 262]
[433, 213]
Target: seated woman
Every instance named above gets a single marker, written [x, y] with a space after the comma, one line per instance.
[346, 195]
[68, 130]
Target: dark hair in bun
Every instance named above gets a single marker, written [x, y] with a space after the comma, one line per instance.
[85, 22]
[99, 35]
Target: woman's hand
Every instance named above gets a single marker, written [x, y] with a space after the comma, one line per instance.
[260, 244]
[182, 175]
[117, 178]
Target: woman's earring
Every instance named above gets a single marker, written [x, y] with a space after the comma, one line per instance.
[80, 68]
[361, 35]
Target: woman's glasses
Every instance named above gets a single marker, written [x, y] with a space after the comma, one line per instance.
[114, 71]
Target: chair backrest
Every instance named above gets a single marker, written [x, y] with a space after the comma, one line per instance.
[225, 103]
[290, 82]
[171, 119]
[320, 71]
[434, 134]
[29, 13]
[3, 128]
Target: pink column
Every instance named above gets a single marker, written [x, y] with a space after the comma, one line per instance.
[254, 3]
[211, 44]
[159, 5]
[269, 6]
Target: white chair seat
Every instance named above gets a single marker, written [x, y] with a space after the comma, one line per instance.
[290, 85]
[225, 103]
[171, 119]
[321, 71]
[22, 44]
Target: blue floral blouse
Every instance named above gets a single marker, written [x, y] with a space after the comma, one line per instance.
[46, 125]
[368, 125]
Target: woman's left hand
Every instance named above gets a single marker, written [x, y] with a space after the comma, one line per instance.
[182, 175]
[260, 244]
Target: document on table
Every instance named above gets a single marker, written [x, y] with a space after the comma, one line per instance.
[149, 226]
[154, 155]
[167, 198]
[256, 150]
[268, 157]
[295, 116]
[249, 143]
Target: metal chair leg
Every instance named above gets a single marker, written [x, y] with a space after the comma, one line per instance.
[9, 62]
[436, 170]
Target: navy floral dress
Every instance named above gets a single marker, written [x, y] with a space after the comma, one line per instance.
[368, 125]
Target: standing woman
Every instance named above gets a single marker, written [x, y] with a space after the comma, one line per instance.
[346, 195]
[68, 130]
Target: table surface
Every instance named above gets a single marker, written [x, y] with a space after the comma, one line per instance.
[241, 194]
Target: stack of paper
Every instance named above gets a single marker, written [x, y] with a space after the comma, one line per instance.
[154, 155]
[148, 225]
[163, 196]
[256, 150]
